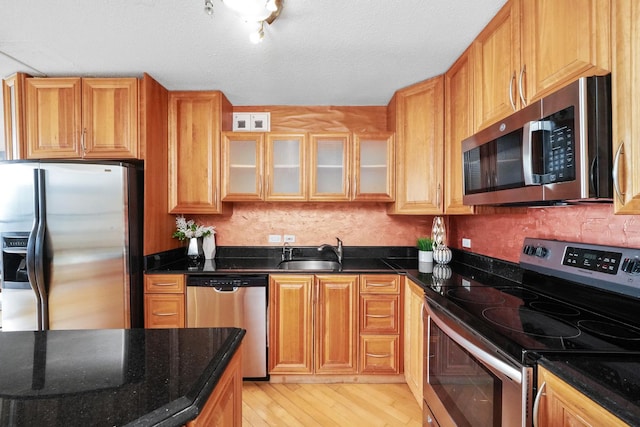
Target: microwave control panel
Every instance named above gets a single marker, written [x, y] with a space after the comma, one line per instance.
[559, 146]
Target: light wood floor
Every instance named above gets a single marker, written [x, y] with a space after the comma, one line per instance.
[267, 404]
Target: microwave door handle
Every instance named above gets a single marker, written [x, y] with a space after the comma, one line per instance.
[487, 358]
[527, 154]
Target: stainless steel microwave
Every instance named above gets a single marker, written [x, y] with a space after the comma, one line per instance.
[554, 151]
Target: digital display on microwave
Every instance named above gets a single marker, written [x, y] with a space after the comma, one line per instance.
[558, 141]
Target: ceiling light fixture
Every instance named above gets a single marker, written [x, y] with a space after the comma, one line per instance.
[253, 12]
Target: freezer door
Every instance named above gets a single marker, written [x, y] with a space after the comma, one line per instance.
[86, 245]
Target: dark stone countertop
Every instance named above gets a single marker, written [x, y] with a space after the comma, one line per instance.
[606, 390]
[111, 377]
[613, 381]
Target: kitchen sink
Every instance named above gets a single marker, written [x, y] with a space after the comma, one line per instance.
[310, 264]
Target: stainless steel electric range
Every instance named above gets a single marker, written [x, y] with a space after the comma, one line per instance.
[485, 333]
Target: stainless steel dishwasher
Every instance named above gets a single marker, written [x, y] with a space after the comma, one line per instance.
[233, 301]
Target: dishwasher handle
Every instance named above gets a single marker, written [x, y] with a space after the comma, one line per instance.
[226, 289]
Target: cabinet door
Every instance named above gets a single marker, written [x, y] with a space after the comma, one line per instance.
[13, 91]
[458, 111]
[110, 118]
[286, 167]
[54, 118]
[563, 40]
[419, 149]
[626, 109]
[498, 70]
[194, 152]
[164, 311]
[373, 170]
[336, 327]
[290, 324]
[413, 339]
[242, 166]
[329, 167]
[562, 405]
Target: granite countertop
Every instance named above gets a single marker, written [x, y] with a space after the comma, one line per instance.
[609, 379]
[111, 377]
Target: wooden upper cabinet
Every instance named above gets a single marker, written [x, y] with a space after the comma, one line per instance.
[242, 166]
[417, 117]
[373, 167]
[497, 70]
[458, 125]
[563, 40]
[195, 123]
[626, 108]
[286, 170]
[13, 91]
[329, 167]
[110, 117]
[82, 118]
[54, 118]
[533, 47]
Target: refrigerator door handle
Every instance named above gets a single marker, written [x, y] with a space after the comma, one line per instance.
[39, 250]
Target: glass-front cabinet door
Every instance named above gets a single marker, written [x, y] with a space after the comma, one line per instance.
[329, 162]
[373, 167]
[285, 165]
[242, 166]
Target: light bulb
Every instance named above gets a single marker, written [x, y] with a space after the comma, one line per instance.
[272, 6]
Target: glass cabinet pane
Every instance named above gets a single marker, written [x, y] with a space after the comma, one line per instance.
[242, 165]
[374, 163]
[329, 167]
[286, 167]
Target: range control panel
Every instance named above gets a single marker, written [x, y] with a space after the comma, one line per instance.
[606, 267]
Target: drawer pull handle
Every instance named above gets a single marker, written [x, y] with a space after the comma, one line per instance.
[155, 313]
[379, 355]
[379, 316]
[380, 285]
[164, 284]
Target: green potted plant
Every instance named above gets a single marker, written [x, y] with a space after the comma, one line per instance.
[425, 250]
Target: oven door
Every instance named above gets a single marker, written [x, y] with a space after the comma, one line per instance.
[466, 381]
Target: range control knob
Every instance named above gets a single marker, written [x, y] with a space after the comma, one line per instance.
[541, 252]
[631, 265]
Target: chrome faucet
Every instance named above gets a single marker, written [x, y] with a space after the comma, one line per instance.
[286, 252]
[336, 249]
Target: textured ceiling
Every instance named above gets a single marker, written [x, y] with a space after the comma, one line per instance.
[318, 52]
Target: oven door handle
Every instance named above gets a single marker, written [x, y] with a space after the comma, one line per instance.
[497, 364]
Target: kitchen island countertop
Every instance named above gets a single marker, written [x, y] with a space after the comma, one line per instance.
[111, 377]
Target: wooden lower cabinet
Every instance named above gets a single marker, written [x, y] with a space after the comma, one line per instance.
[414, 338]
[224, 406]
[164, 301]
[561, 405]
[335, 324]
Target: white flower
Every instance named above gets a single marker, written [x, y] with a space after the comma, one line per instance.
[189, 229]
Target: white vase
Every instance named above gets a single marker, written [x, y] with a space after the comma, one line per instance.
[209, 246]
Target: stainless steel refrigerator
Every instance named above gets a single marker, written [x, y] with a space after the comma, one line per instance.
[71, 237]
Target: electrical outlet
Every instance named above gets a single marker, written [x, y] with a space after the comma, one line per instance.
[466, 243]
[275, 238]
[290, 238]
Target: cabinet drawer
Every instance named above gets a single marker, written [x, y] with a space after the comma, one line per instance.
[164, 311]
[380, 283]
[379, 314]
[164, 283]
[379, 354]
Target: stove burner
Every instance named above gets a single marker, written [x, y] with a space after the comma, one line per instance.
[555, 308]
[477, 297]
[529, 322]
[610, 330]
[521, 293]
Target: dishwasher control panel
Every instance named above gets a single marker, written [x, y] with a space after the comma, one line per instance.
[228, 281]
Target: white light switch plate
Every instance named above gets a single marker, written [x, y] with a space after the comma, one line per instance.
[275, 238]
[466, 243]
[290, 238]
